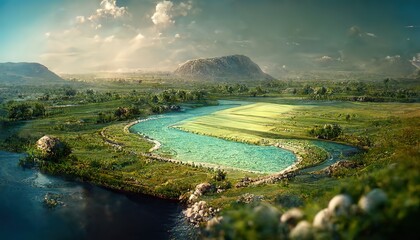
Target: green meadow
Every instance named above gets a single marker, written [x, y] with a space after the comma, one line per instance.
[262, 120]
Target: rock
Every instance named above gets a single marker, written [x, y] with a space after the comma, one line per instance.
[292, 216]
[336, 167]
[244, 182]
[374, 200]
[202, 188]
[52, 200]
[192, 198]
[248, 198]
[322, 219]
[340, 205]
[198, 213]
[52, 147]
[175, 108]
[213, 222]
[303, 230]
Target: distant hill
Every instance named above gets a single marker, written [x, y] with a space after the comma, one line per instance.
[234, 67]
[27, 73]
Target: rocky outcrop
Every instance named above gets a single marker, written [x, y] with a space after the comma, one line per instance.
[338, 166]
[284, 175]
[200, 213]
[232, 67]
[200, 190]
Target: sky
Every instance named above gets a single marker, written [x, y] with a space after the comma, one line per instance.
[79, 36]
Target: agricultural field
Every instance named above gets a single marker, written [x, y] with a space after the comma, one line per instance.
[268, 120]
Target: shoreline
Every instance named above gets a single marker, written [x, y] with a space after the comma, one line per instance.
[157, 145]
[299, 150]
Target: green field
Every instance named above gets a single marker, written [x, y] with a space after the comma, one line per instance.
[261, 121]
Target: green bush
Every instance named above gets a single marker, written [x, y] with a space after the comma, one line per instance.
[24, 111]
[328, 131]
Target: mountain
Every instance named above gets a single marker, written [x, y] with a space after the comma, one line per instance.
[27, 73]
[234, 67]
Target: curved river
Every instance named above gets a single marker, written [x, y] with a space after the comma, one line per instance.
[197, 148]
[88, 212]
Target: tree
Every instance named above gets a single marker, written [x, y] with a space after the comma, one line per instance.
[19, 111]
[329, 131]
[24, 111]
[307, 90]
[38, 110]
[70, 92]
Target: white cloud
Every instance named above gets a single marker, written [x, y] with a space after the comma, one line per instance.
[139, 37]
[166, 11]
[162, 15]
[325, 58]
[47, 34]
[109, 8]
[184, 8]
[109, 39]
[96, 38]
[371, 34]
[80, 19]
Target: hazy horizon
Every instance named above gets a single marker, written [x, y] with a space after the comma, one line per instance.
[89, 36]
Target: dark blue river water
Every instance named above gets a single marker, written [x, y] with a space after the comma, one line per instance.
[88, 212]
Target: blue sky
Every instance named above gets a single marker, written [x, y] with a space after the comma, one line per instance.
[109, 35]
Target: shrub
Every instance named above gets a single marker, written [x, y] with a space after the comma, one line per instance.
[329, 131]
[220, 175]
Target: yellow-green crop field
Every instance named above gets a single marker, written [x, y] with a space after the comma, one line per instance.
[257, 121]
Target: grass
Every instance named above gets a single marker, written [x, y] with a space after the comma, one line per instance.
[249, 123]
[254, 122]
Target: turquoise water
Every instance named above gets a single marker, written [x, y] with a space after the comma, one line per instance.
[196, 148]
[337, 152]
[210, 150]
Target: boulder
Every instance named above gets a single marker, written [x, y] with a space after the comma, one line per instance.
[374, 200]
[303, 230]
[322, 219]
[52, 147]
[292, 216]
[202, 188]
[336, 167]
[340, 205]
